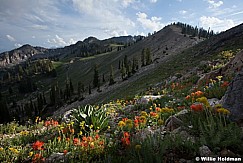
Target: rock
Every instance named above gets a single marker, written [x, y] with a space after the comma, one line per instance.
[204, 151]
[227, 153]
[175, 121]
[147, 98]
[57, 157]
[213, 101]
[232, 100]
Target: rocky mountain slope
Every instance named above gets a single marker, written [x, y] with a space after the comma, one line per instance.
[90, 46]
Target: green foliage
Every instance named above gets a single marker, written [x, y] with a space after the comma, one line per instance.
[90, 118]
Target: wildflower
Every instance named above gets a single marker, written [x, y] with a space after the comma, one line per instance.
[72, 131]
[80, 133]
[157, 109]
[84, 138]
[126, 134]
[223, 111]
[65, 152]
[31, 154]
[59, 138]
[188, 97]
[138, 147]
[101, 143]
[219, 78]
[225, 84]
[91, 145]
[203, 100]
[197, 107]
[129, 123]
[154, 114]
[136, 122]
[38, 145]
[166, 110]
[142, 119]
[24, 133]
[121, 124]
[67, 139]
[14, 150]
[97, 136]
[47, 123]
[37, 156]
[1, 149]
[143, 113]
[76, 141]
[124, 119]
[125, 141]
[199, 93]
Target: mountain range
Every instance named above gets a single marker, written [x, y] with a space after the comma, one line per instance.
[177, 52]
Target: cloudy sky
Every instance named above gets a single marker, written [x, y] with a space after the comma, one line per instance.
[56, 23]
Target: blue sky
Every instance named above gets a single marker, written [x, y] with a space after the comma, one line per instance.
[57, 23]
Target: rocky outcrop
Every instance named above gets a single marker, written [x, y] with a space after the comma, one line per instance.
[20, 54]
[233, 98]
[233, 66]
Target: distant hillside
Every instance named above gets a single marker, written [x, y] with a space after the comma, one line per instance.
[89, 47]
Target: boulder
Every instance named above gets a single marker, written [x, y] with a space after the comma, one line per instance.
[233, 98]
[204, 151]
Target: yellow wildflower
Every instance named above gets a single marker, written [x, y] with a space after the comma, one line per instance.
[223, 111]
[203, 100]
[166, 110]
[143, 113]
[121, 124]
[1, 149]
[138, 147]
[129, 123]
[31, 154]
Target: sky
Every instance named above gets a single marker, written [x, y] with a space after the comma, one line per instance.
[58, 23]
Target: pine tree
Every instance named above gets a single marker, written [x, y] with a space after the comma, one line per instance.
[71, 87]
[143, 57]
[112, 81]
[148, 57]
[119, 65]
[96, 81]
[90, 89]
[103, 78]
[123, 71]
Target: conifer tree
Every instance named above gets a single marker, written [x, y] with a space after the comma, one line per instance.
[112, 81]
[148, 57]
[96, 81]
[90, 89]
[71, 86]
[103, 78]
[143, 58]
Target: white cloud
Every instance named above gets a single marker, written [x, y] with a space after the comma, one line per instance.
[105, 14]
[10, 38]
[237, 13]
[214, 4]
[72, 41]
[17, 45]
[216, 24]
[153, 1]
[152, 24]
[57, 41]
[183, 12]
[39, 27]
[126, 3]
[179, 0]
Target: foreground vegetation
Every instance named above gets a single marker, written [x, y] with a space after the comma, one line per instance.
[172, 127]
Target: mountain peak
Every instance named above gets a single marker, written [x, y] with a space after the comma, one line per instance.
[91, 39]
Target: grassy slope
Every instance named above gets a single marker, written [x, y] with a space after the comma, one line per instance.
[175, 60]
